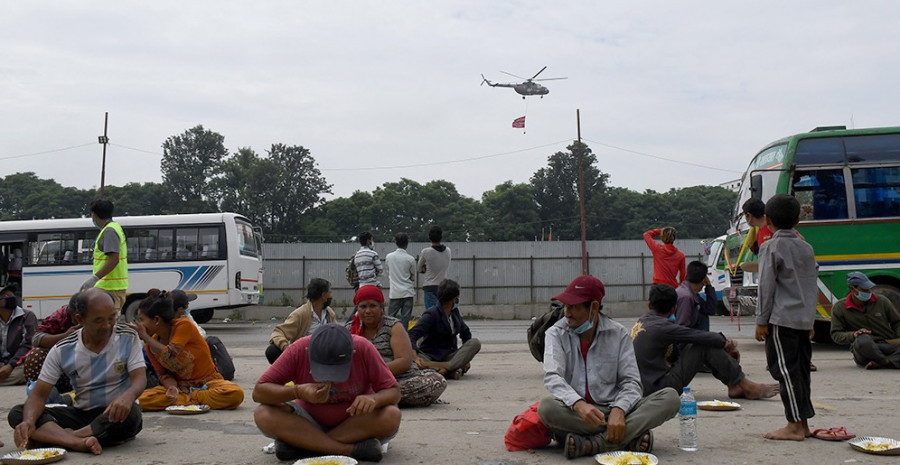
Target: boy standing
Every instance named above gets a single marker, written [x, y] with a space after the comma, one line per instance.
[787, 305]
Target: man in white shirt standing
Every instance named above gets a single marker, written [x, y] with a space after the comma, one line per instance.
[401, 267]
[434, 261]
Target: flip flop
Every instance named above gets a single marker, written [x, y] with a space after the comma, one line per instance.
[832, 434]
[636, 445]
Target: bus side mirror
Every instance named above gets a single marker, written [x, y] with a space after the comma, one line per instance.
[756, 186]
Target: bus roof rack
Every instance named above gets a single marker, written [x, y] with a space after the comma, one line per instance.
[829, 128]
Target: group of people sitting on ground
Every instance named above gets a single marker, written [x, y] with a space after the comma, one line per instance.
[91, 382]
[324, 366]
[336, 389]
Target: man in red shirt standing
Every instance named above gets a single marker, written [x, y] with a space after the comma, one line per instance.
[668, 261]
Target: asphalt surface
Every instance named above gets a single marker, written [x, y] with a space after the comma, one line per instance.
[468, 427]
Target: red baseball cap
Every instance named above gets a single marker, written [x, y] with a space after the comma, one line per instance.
[582, 289]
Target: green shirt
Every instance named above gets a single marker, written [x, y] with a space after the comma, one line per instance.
[879, 316]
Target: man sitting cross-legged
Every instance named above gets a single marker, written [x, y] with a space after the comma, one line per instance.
[343, 400]
[106, 366]
[670, 355]
[595, 403]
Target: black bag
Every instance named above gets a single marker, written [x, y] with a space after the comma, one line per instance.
[223, 362]
[540, 325]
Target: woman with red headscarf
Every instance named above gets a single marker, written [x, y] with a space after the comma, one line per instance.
[418, 388]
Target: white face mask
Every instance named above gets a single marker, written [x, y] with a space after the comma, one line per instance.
[864, 296]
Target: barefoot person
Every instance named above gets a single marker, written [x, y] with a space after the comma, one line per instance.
[787, 308]
[595, 403]
[670, 355]
[182, 360]
[343, 400]
[105, 364]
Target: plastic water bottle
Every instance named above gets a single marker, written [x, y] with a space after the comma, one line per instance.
[687, 422]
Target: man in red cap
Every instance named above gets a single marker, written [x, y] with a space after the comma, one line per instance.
[343, 400]
[595, 403]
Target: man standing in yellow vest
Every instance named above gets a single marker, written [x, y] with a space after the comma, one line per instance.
[110, 254]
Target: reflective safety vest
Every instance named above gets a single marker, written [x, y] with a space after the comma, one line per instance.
[117, 279]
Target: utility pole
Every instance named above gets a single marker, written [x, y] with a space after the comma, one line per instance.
[104, 140]
[584, 263]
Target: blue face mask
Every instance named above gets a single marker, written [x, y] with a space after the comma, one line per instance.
[672, 318]
[864, 296]
[187, 311]
[586, 326]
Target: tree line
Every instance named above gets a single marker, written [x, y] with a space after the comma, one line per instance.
[283, 191]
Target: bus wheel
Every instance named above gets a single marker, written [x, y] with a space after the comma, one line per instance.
[131, 310]
[823, 332]
[202, 315]
[889, 291]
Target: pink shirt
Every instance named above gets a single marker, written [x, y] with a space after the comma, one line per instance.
[368, 374]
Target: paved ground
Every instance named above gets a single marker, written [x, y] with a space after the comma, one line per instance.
[505, 380]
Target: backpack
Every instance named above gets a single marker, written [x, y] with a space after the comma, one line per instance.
[539, 327]
[352, 275]
[221, 358]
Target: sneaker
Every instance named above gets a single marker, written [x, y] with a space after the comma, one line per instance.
[286, 452]
[367, 451]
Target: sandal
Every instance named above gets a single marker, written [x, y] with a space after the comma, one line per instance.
[832, 434]
[577, 445]
[637, 445]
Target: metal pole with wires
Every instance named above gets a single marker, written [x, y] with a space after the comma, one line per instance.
[104, 140]
[584, 263]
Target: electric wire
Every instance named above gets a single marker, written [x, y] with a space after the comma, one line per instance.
[46, 151]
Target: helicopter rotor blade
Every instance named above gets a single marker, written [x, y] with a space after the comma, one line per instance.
[539, 72]
[551, 79]
[513, 75]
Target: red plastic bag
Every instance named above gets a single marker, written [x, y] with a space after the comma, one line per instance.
[527, 431]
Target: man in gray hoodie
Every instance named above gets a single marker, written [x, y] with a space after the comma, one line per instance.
[433, 263]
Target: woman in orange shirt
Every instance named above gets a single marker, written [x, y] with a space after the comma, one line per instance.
[181, 357]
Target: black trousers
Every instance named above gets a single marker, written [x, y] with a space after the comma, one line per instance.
[692, 358]
[108, 433]
[789, 354]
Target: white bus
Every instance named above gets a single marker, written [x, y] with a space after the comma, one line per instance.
[217, 256]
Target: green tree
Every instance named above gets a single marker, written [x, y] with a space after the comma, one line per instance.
[297, 188]
[556, 189]
[511, 213]
[190, 163]
[24, 196]
[139, 199]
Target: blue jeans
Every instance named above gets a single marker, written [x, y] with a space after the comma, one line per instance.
[430, 293]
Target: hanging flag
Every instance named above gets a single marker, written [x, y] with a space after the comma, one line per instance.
[519, 122]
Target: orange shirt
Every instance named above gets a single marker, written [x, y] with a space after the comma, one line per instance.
[186, 358]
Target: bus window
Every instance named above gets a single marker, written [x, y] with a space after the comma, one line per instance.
[166, 241]
[186, 243]
[873, 148]
[876, 192]
[209, 243]
[246, 239]
[822, 151]
[50, 249]
[821, 193]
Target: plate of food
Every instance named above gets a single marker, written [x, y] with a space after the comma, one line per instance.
[876, 445]
[328, 460]
[718, 405]
[34, 456]
[187, 409]
[621, 457]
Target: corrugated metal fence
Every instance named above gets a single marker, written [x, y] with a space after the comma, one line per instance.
[489, 273]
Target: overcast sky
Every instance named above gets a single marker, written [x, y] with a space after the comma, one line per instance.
[392, 84]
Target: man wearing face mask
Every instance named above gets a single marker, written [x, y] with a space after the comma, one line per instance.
[868, 323]
[16, 331]
[303, 320]
[110, 254]
[595, 403]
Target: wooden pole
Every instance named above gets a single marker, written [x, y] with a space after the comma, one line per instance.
[584, 263]
[104, 140]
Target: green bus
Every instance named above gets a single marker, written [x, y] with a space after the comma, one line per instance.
[848, 184]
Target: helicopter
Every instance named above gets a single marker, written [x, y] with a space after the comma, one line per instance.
[529, 87]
